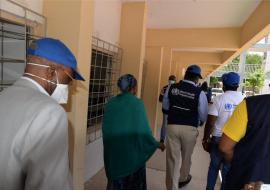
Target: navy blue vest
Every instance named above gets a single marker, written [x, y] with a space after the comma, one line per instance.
[251, 161]
[184, 101]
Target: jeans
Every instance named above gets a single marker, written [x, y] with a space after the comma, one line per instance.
[216, 161]
[163, 127]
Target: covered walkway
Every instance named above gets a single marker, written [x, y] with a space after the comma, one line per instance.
[156, 168]
[155, 38]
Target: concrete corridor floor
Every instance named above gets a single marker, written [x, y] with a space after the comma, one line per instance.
[156, 168]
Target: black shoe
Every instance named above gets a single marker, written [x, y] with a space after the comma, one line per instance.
[182, 184]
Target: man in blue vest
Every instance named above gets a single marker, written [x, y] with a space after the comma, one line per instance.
[246, 143]
[187, 107]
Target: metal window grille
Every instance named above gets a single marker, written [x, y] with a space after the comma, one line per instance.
[105, 71]
[12, 60]
[14, 41]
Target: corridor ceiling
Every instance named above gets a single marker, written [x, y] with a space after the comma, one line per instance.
[199, 13]
[213, 32]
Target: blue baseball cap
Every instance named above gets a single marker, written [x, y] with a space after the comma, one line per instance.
[231, 79]
[195, 69]
[56, 51]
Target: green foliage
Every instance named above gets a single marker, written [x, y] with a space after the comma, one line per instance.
[254, 59]
[236, 60]
[251, 59]
[213, 81]
[256, 80]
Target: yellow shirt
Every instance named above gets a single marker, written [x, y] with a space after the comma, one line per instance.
[236, 126]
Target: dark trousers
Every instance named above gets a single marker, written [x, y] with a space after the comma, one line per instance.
[135, 181]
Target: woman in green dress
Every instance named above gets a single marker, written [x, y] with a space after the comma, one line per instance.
[127, 138]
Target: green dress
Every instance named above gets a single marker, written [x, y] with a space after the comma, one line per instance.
[127, 138]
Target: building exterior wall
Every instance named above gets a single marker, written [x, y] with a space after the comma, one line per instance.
[154, 57]
[132, 39]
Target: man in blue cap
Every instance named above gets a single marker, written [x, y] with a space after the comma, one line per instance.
[34, 127]
[187, 107]
[219, 112]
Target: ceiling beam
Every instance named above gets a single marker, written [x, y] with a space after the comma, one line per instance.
[205, 58]
[256, 27]
[226, 55]
[257, 21]
[204, 67]
[260, 48]
[210, 38]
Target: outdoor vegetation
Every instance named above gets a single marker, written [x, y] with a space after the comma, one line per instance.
[255, 81]
[255, 75]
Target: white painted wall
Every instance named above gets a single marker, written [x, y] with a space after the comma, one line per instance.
[94, 158]
[107, 19]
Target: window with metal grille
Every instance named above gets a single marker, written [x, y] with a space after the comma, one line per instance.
[105, 71]
[15, 37]
[14, 40]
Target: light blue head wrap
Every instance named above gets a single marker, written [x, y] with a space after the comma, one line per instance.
[126, 82]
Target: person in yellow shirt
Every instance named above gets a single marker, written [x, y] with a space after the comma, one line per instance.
[246, 143]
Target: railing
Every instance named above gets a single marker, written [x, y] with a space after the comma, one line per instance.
[232, 67]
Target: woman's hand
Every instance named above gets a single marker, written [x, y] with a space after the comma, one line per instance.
[162, 146]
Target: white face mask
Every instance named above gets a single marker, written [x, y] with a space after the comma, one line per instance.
[171, 82]
[60, 93]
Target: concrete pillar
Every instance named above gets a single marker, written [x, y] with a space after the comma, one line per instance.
[166, 66]
[183, 71]
[165, 73]
[71, 21]
[132, 39]
[154, 56]
[242, 66]
[208, 80]
[173, 68]
[266, 87]
[180, 71]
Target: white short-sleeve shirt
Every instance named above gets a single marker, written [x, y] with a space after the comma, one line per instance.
[223, 107]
